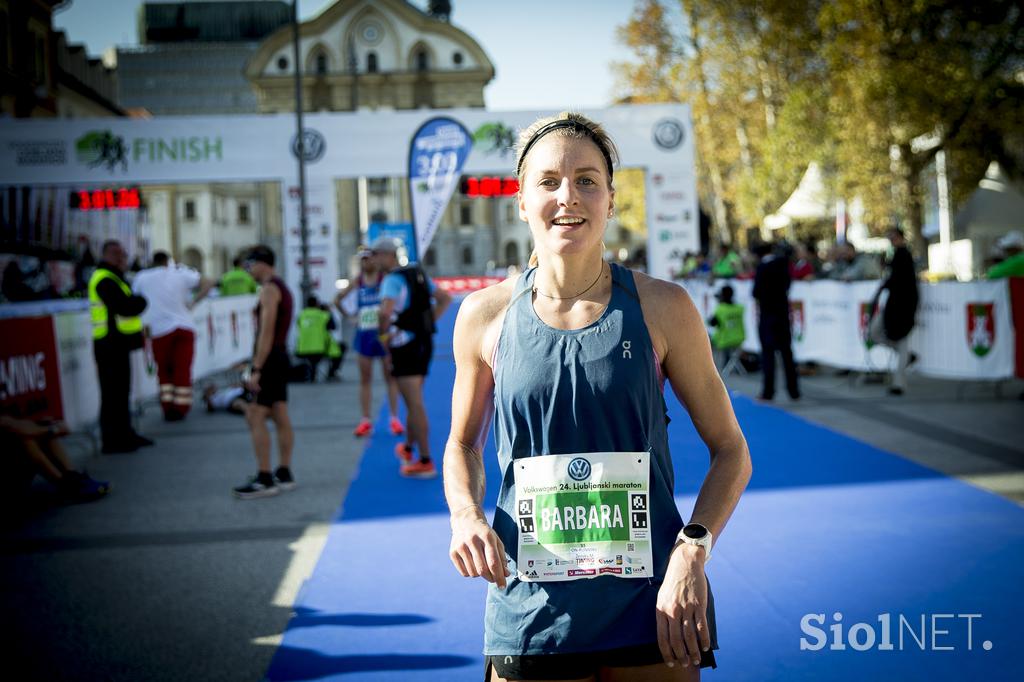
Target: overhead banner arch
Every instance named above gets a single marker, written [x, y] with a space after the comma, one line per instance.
[656, 138]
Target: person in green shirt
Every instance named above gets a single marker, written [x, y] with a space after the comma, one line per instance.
[1012, 265]
[236, 281]
[727, 319]
[729, 265]
[314, 336]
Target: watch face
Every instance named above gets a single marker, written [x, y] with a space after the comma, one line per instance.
[695, 531]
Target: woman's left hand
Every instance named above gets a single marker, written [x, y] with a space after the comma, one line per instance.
[682, 607]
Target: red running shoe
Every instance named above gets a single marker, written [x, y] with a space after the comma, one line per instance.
[419, 470]
[365, 428]
[403, 451]
[396, 426]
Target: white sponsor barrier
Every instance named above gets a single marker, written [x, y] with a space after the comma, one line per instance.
[963, 331]
[225, 332]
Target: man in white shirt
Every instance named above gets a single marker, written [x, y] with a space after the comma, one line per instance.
[168, 319]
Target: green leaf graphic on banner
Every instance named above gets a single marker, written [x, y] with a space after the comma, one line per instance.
[596, 516]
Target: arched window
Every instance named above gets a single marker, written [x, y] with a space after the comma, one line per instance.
[194, 258]
[422, 60]
[467, 255]
[512, 253]
[321, 64]
[457, 58]
[371, 62]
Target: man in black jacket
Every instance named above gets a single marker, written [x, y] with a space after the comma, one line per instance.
[771, 289]
[116, 332]
[892, 328]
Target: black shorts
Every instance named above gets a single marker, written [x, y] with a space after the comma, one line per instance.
[575, 666]
[274, 378]
[412, 359]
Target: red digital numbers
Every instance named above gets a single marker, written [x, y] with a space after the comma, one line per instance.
[120, 198]
[489, 187]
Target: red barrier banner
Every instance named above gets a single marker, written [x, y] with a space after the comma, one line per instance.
[465, 285]
[1017, 303]
[29, 368]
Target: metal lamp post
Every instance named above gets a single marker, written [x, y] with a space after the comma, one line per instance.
[300, 151]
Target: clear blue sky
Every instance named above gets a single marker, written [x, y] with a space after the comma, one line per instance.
[548, 54]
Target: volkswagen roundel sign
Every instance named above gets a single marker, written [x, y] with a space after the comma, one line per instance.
[579, 469]
[313, 145]
[668, 133]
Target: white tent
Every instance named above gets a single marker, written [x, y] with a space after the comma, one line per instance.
[995, 208]
[809, 201]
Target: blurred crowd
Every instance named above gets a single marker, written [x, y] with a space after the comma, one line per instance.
[806, 262]
[837, 261]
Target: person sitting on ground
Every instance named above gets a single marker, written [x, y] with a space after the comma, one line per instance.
[231, 399]
[38, 441]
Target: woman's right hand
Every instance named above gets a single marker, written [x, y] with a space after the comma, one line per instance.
[476, 550]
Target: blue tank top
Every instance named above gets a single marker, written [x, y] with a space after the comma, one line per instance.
[368, 295]
[595, 389]
[367, 298]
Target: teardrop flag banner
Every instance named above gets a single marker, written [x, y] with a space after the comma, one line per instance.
[437, 153]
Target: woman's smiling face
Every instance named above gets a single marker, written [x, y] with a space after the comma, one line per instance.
[565, 194]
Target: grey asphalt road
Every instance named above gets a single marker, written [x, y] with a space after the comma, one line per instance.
[170, 577]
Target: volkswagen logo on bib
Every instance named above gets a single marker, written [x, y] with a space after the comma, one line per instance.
[579, 469]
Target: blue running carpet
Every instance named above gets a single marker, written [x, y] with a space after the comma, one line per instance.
[828, 526]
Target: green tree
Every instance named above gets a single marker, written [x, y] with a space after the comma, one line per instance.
[901, 70]
[851, 84]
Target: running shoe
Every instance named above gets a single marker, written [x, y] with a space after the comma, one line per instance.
[403, 451]
[76, 487]
[396, 426]
[365, 428]
[256, 488]
[419, 469]
[284, 479]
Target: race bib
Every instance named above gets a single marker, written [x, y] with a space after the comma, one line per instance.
[582, 516]
[369, 318]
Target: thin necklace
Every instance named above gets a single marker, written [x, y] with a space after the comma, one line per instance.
[566, 298]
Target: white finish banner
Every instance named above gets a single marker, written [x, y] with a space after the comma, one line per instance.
[655, 137]
[964, 330]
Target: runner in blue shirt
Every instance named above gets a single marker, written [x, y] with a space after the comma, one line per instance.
[409, 305]
[368, 347]
[594, 574]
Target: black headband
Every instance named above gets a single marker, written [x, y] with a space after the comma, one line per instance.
[576, 126]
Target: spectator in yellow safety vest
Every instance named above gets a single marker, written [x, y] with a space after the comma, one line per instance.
[727, 319]
[314, 336]
[116, 332]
